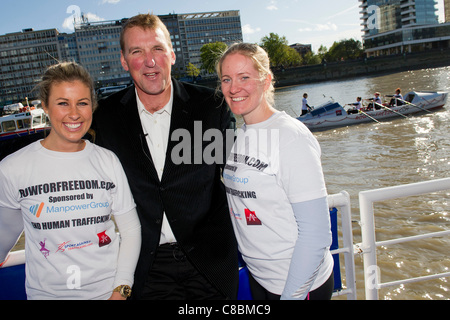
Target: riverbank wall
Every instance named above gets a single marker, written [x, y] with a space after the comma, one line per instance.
[364, 67]
[356, 68]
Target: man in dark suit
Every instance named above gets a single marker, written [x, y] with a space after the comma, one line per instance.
[188, 245]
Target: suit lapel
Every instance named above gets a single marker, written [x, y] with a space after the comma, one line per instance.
[135, 132]
[181, 118]
[134, 127]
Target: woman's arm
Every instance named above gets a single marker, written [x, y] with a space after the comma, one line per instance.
[11, 227]
[130, 247]
[314, 237]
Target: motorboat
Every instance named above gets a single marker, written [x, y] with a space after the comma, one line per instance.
[20, 126]
[21, 121]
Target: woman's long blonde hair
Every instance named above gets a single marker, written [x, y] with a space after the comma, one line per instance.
[260, 60]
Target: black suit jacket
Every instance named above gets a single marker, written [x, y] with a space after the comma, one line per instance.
[191, 195]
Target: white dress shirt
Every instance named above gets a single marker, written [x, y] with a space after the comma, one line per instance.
[156, 127]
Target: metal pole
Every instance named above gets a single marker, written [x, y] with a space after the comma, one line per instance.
[368, 247]
[342, 201]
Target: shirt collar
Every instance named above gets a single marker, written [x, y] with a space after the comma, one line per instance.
[167, 108]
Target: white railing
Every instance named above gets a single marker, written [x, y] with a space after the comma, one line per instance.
[369, 244]
[341, 201]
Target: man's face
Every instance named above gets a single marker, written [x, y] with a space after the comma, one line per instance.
[149, 59]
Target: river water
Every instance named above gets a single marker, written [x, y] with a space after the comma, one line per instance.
[398, 151]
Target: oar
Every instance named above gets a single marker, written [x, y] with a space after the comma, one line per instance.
[414, 105]
[364, 113]
[391, 96]
[390, 110]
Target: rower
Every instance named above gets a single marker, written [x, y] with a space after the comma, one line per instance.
[376, 99]
[356, 106]
[397, 98]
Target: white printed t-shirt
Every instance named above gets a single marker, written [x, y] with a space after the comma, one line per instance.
[67, 200]
[273, 164]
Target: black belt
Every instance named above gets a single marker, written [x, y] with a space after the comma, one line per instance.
[177, 252]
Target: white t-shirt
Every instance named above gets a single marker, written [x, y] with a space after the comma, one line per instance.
[273, 164]
[67, 200]
[304, 104]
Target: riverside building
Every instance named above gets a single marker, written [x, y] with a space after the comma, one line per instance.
[23, 58]
[98, 45]
[25, 55]
[402, 26]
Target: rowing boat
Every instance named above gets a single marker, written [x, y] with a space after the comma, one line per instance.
[333, 115]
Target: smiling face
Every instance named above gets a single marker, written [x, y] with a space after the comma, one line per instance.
[243, 88]
[149, 59]
[69, 108]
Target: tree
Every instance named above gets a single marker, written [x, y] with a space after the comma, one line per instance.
[293, 58]
[279, 52]
[310, 58]
[192, 71]
[321, 53]
[347, 49]
[209, 55]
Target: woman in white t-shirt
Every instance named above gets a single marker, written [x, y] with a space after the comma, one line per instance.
[275, 186]
[62, 191]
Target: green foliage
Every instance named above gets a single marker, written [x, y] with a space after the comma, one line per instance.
[347, 49]
[280, 54]
[310, 58]
[210, 53]
[192, 70]
[322, 52]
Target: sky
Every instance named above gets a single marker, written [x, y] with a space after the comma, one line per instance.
[315, 22]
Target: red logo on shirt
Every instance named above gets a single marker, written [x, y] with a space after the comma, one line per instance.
[252, 219]
[103, 239]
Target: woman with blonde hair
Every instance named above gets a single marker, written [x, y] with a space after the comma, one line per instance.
[63, 191]
[275, 186]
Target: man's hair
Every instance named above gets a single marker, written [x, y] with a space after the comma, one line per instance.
[145, 21]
